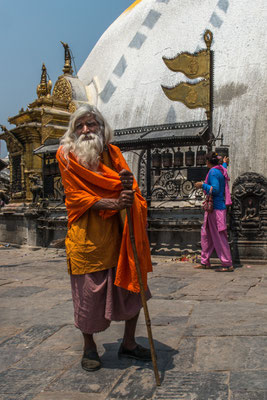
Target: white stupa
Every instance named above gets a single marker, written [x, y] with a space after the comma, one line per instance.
[124, 72]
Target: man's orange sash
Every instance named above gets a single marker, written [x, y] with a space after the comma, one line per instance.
[83, 188]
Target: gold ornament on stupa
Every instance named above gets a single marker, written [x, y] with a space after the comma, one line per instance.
[196, 65]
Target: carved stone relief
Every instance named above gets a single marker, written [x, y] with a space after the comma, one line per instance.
[249, 209]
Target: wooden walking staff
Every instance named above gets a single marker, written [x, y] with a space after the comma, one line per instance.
[143, 297]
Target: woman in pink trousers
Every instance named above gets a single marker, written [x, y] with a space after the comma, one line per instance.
[214, 228]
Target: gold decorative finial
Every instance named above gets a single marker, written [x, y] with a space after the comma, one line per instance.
[67, 67]
[44, 88]
[208, 36]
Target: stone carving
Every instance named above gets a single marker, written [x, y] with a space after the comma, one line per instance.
[59, 189]
[4, 199]
[36, 188]
[251, 212]
[13, 145]
[142, 166]
[249, 209]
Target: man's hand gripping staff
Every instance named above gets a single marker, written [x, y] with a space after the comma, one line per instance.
[126, 197]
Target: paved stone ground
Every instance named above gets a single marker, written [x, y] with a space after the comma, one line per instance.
[210, 333]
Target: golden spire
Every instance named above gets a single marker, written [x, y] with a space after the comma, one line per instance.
[67, 67]
[44, 89]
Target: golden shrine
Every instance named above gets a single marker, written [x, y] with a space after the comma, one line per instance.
[44, 120]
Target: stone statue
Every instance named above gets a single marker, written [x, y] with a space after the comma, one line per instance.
[4, 199]
[4, 129]
[250, 212]
[36, 188]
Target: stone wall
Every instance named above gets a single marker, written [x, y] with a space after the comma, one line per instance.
[28, 226]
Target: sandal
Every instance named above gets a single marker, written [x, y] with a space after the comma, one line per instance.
[202, 266]
[90, 360]
[138, 353]
[225, 269]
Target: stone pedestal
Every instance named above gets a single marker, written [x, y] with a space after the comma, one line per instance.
[24, 224]
[174, 230]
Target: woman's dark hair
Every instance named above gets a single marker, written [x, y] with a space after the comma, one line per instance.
[212, 158]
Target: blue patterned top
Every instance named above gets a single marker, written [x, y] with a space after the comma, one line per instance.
[217, 181]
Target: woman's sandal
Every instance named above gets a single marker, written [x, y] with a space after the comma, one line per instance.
[202, 266]
[225, 269]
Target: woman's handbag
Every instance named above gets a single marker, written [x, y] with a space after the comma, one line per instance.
[207, 204]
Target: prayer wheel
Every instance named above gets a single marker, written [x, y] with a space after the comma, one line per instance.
[200, 158]
[189, 158]
[178, 158]
[167, 159]
[156, 159]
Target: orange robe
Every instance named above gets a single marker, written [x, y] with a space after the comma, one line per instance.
[92, 242]
[83, 188]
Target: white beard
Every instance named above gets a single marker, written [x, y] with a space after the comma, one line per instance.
[88, 151]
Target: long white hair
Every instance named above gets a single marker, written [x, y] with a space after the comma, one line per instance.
[87, 152]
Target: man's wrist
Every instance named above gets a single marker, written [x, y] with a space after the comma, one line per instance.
[107, 204]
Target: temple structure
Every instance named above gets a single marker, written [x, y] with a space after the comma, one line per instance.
[44, 121]
[36, 213]
[174, 80]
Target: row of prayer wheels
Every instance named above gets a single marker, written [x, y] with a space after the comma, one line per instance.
[178, 159]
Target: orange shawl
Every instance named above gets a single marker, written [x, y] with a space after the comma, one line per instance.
[83, 188]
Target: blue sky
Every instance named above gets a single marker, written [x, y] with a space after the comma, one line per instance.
[30, 34]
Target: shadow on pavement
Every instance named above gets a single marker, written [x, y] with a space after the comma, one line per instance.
[164, 354]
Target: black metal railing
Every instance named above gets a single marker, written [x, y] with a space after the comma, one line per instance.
[172, 174]
[173, 184]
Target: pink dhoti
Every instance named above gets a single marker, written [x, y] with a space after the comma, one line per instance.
[97, 301]
[214, 237]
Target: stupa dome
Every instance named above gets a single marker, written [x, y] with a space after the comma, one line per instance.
[124, 72]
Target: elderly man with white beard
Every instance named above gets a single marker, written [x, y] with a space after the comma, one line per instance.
[99, 186]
